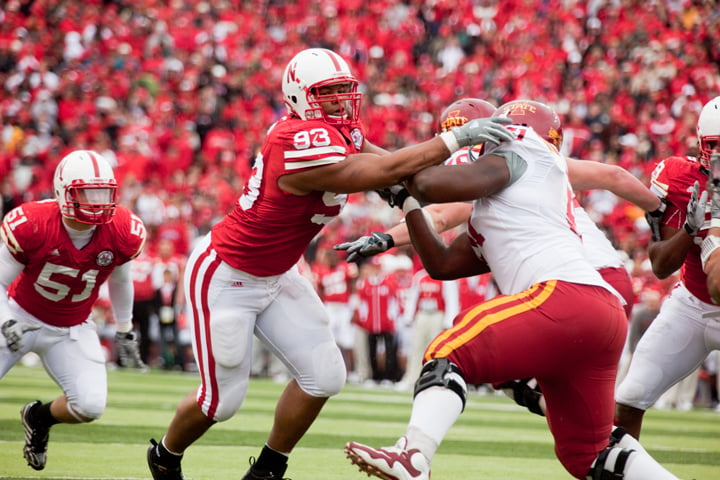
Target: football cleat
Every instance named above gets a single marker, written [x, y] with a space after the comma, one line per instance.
[389, 463]
[253, 474]
[159, 470]
[36, 437]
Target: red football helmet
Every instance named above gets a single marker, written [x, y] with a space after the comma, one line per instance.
[462, 111]
[539, 116]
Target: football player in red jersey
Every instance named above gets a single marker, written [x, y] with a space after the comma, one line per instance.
[241, 278]
[54, 256]
[687, 329]
[710, 254]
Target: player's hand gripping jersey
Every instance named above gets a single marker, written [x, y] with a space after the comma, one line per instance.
[269, 229]
[672, 181]
[60, 283]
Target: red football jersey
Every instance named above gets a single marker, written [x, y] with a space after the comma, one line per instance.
[334, 282]
[379, 307]
[60, 283]
[672, 180]
[269, 229]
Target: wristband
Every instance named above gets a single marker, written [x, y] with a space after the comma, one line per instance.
[410, 204]
[709, 245]
[450, 141]
[124, 327]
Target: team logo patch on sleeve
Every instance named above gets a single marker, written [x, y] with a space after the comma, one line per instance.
[105, 258]
[357, 138]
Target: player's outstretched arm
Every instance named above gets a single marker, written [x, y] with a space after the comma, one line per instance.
[590, 175]
[362, 172]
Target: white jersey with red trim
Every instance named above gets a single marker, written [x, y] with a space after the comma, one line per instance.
[269, 229]
[598, 249]
[539, 205]
[60, 283]
[464, 155]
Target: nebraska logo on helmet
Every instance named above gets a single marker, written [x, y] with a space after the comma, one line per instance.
[316, 70]
[85, 187]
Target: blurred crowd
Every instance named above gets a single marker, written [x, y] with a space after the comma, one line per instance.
[178, 94]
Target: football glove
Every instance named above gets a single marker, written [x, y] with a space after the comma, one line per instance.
[128, 351]
[13, 332]
[715, 171]
[366, 246]
[395, 196]
[695, 210]
[715, 209]
[483, 130]
[653, 219]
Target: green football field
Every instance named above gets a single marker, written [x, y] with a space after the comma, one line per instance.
[492, 440]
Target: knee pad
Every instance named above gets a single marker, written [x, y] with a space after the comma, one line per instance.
[86, 410]
[441, 372]
[329, 372]
[610, 463]
[526, 393]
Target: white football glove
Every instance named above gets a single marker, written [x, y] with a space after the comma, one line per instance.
[366, 246]
[695, 210]
[13, 332]
[128, 350]
[483, 130]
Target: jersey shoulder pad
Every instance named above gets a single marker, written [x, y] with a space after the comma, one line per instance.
[674, 174]
[130, 232]
[309, 144]
[26, 227]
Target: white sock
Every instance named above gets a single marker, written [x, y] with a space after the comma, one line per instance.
[434, 411]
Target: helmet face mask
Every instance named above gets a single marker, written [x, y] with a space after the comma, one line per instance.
[85, 188]
[318, 85]
[708, 130]
[537, 115]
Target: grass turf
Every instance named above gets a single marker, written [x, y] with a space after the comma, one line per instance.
[493, 439]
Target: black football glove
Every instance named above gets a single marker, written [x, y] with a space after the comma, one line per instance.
[653, 219]
[395, 196]
[366, 246]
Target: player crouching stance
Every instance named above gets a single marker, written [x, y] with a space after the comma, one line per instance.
[54, 256]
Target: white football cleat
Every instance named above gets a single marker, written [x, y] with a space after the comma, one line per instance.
[389, 463]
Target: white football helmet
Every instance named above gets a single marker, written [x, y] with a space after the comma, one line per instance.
[311, 70]
[85, 187]
[708, 130]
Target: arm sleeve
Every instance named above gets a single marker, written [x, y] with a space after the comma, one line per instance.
[120, 289]
[9, 271]
[516, 165]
